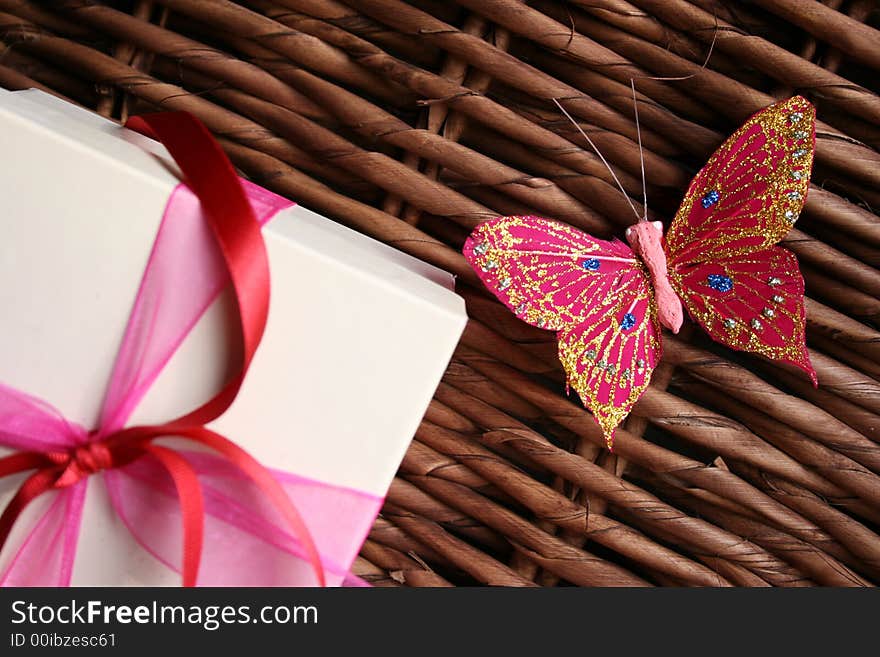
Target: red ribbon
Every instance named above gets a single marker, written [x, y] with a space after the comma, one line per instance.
[210, 175]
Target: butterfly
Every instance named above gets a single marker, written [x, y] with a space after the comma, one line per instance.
[607, 301]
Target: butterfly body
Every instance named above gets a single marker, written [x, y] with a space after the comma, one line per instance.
[608, 301]
[645, 238]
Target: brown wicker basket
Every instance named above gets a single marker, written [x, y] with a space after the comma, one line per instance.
[414, 121]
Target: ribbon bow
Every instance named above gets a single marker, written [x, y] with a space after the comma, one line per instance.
[69, 455]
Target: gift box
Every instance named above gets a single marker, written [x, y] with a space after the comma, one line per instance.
[358, 336]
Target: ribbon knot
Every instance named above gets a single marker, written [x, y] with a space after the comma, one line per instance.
[84, 461]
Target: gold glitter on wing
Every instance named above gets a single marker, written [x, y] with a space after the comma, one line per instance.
[578, 343]
[723, 172]
[719, 239]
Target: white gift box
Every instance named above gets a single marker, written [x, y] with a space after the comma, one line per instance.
[358, 337]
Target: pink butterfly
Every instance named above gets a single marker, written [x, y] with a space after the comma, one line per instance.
[607, 301]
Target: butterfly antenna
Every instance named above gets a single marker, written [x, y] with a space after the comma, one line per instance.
[632, 83]
[601, 157]
[641, 153]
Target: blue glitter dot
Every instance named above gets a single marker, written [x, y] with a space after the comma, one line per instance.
[720, 282]
[629, 320]
[711, 198]
[591, 264]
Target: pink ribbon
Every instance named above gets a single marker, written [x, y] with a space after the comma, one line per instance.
[245, 540]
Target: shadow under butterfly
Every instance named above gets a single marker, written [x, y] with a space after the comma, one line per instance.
[607, 300]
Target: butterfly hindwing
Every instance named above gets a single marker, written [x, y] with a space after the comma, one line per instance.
[595, 293]
[610, 355]
[752, 302]
[746, 293]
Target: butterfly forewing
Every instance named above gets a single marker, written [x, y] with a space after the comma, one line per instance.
[548, 273]
[751, 190]
[746, 293]
[595, 293]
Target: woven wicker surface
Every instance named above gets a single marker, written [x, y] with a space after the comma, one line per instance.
[414, 121]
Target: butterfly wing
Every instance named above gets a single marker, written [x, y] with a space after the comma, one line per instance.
[546, 272]
[751, 190]
[609, 356]
[595, 293]
[746, 293]
[761, 312]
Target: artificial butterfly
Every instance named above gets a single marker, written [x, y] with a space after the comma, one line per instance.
[607, 301]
